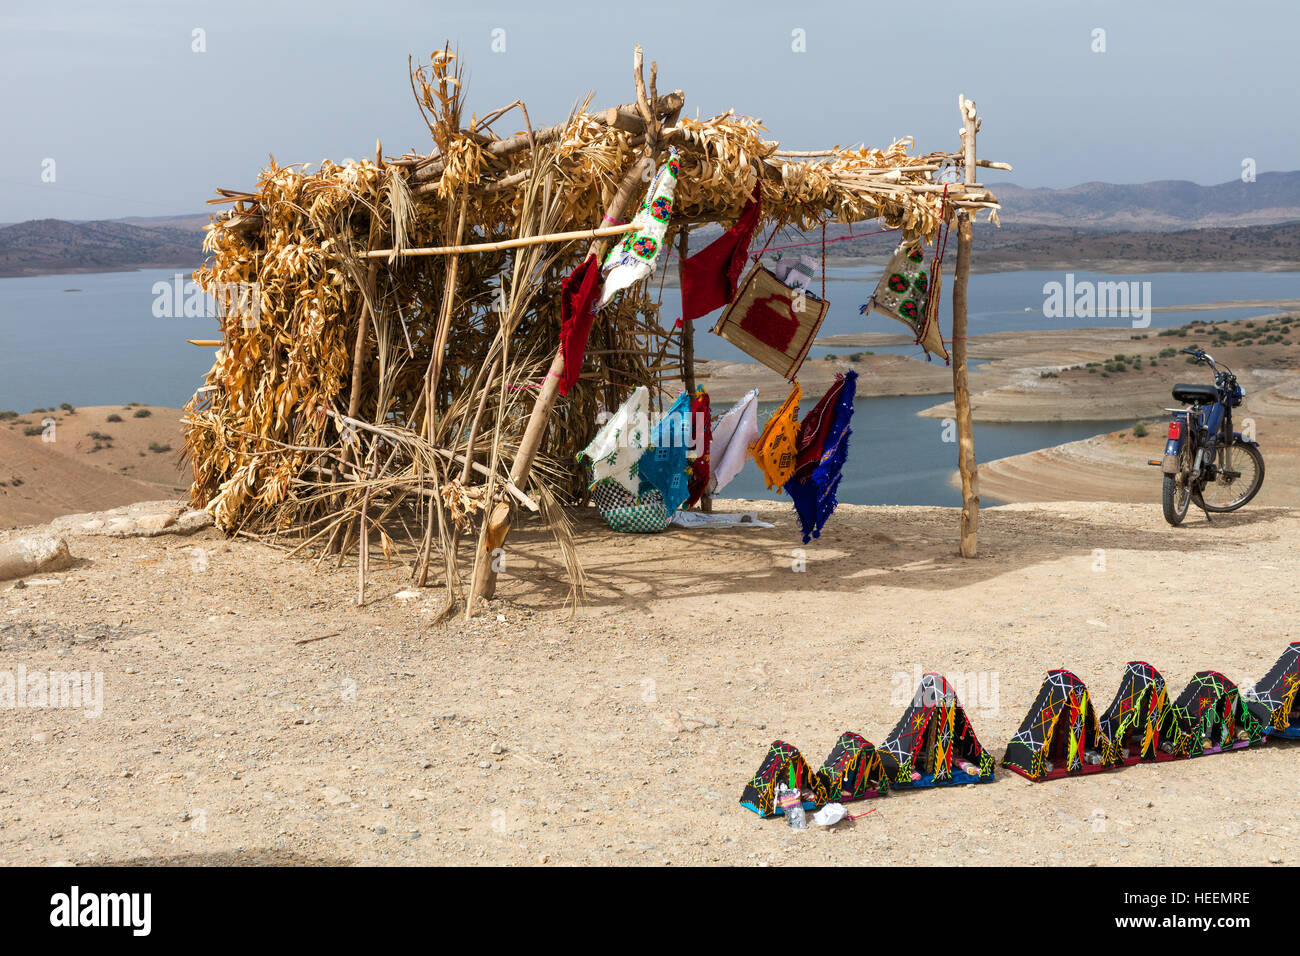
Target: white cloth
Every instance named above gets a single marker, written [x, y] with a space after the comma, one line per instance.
[701, 519]
[618, 446]
[732, 436]
[634, 258]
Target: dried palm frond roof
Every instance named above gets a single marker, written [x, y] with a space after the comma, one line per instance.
[721, 159]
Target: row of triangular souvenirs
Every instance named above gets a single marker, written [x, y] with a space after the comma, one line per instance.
[642, 473]
[933, 744]
[1062, 734]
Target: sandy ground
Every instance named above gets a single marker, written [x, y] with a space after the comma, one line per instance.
[40, 480]
[252, 714]
[625, 734]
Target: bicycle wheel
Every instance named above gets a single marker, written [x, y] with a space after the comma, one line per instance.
[1239, 473]
[1177, 493]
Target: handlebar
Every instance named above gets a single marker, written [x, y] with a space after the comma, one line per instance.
[1203, 356]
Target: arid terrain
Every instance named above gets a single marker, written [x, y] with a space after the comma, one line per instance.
[92, 463]
[626, 733]
[251, 713]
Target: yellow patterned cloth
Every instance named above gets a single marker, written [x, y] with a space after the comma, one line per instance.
[775, 450]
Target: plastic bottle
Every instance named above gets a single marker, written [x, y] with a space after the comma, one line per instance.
[791, 804]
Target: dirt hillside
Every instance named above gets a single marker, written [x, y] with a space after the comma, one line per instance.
[91, 465]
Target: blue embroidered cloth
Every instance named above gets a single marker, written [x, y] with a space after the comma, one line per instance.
[814, 494]
[665, 461]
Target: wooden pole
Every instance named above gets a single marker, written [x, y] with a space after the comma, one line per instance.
[599, 233]
[688, 343]
[485, 579]
[970, 498]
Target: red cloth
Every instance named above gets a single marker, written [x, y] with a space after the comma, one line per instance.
[578, 293]
[812, 430]
[709, 277]
[772, 320]
[700, 422]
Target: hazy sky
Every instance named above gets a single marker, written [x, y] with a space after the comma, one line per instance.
[138, 124]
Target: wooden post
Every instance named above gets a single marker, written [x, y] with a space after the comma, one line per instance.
[688, 330]
[970, 497]
[484, 581]
[688, 343]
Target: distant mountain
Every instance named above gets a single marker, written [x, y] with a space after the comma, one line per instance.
[1231, 225]
[1016, 245]
[1243, 248]
[191, 223]
[1158, 206]
[45, 246]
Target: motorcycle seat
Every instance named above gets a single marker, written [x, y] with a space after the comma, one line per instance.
[1196, 394]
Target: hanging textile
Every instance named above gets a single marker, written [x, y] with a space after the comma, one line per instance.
[634, 258]
[640, 513]
[772, 322]
[775, 450]
[577, 296]
[814, 492]
[815, 428]
[698, 519]
[732, 436]
[701, 444]
[710, 276]
[617, 448]
[665, 463]
[905, 292]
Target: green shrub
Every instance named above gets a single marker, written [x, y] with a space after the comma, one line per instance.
[33, 430]
[1139, 430]
[156, 447]
[67, 407]
[4, 416]
[115, 417]
[141, 413]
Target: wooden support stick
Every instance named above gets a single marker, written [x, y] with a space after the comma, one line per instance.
[688, 342]
[602, 232]
[540, 417]
[970, 508]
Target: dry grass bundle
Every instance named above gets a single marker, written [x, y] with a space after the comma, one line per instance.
[380, 393]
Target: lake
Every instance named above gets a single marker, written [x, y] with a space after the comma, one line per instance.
[93, 339]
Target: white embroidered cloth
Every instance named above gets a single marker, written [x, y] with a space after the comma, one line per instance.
[618, 446]
[634, 258]
[732, 435]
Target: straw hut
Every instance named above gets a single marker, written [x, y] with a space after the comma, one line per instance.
[391, 381]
